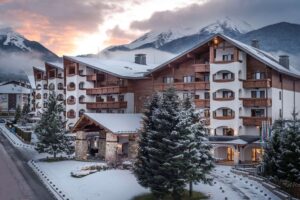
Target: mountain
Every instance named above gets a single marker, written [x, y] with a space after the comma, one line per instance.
[178, 39]
[13, 42]
[282, 37]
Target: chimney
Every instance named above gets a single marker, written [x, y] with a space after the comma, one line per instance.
[140, 59]
[255, 43]
[284, 61]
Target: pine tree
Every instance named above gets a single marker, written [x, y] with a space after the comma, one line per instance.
[160, 160]
[289, 161]
[272, 150]
[50, 130]
[198, 159]
[24, 114]
[17, 114]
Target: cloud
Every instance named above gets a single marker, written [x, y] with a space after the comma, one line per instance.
[256, 12]
[55, 22]
[18, 66]
[117, 35]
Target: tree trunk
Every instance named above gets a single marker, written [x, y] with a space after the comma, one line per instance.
[191, 189]
[54, 155]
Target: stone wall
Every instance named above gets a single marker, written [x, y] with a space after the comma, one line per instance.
[132, 149]
[111, 147]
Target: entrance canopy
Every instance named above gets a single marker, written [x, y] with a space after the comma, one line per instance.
[116, 123]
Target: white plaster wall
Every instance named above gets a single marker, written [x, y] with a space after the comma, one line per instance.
[129, 97]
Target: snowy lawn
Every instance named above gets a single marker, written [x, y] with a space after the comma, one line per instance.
[121, 184]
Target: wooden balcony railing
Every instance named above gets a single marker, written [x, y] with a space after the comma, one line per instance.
[106, 90]
[225, 98]
[183, 86]
[202, 103]
[92, 77]
[264, 83]
[201, 67]
[106, 105]
[256, 102]
[255, 121]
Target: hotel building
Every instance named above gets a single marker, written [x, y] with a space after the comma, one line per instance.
[237, 86]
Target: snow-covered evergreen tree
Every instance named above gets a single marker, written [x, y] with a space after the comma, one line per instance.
[272, 150]
[160, 158]
[197, 156]
[18, 114]
[25, 114]
[289, 161]
[50, 130]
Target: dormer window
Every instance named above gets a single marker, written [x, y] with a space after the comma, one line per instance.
[140, 59]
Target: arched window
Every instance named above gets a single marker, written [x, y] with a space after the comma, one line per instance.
[81, 99]
[71, 100]
[223, 76]
[60, 97]
[60, 86]
[38, 96]
[45, 87]
[223, 113]
[38, 105]
[51, 86]
[81, 85]
[71, 114]
[45, 95]
[71, 86]
[224, 130]
[81, 112]
[223, 95]
[38, 87]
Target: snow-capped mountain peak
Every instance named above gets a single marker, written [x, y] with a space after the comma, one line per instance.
[12, 38]
[226, 25]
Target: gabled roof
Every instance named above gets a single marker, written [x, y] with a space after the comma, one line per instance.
[260, 55]
[117, 68]
[58, 65]
[116, 123]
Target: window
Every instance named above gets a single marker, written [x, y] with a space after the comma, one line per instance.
[60, 86]
[168, 79]
[38, 87]
[81, 99]
[60, 97]
[140, 59]
[280, 113]
[110, 98]
[225, 76]
[81, 85]
[80, 72]
[259, 75]
[45, 95]
[188, 79]
[258, 94]
[257, 112]
[51, 73]
[121, 98]
[228, 57]
[206, 95]
[45, 87]
[225, 112]
[81, 112]
[99, 99]
[206, 77]
[51, 86]
[71, 86]
[72, 70]
[280, 95]
[39, 76]
[45, 105]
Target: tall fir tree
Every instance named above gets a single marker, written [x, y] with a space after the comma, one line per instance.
[159, 163]
[197, 156]
[289, 160]
[272, 150]
[50, 130]
[18, 114]
[25, 114]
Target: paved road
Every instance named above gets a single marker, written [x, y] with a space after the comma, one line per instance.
[17, 180]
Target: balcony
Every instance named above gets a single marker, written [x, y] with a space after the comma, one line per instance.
[71, 101]
[218, 79]
[255, 121]
[224, 114]
[223, 95]
[256, 102]
[106, 105]
[201, 68]
[106, 90]
[253, 83]
[70, 115]
[92, 77]
[183, 86]
[202, 103]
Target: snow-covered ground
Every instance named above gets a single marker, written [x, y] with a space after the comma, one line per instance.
[121, 184]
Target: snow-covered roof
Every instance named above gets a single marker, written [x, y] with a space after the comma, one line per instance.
[235, 141]
[56, 64]
[12, 88]
[260, 55]
[118, 123]
[118, 68]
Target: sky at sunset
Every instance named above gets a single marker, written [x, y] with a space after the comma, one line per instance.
[75, 27]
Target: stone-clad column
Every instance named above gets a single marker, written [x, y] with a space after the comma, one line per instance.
[132, 147]
[111, 147]
[81, 146]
